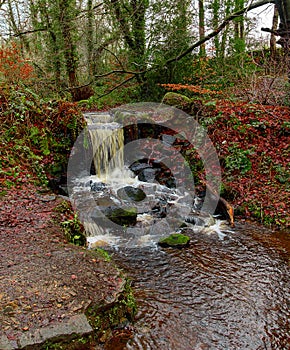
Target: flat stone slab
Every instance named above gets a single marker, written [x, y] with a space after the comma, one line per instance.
[5, 343]
[76, 326]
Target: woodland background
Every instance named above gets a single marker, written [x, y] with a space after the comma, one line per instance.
[58, 58]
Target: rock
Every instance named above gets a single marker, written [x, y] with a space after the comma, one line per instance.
[137, 167]
[97, 186]
[166, 178]
[177, 100]
[201, 219]
[168, 139]
[120, 216]
[148, 175]
[176, 240]
[5, 343]
[75, 326]
[131, 193]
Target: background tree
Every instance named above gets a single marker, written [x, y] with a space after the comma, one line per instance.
[114, 43]
[201, 26]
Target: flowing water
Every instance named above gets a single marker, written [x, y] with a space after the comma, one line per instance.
[228, 290]
[215, 294]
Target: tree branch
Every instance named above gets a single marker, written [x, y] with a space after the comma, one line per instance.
[117, 86]
[268, 30]
[215, 32]
[121, 71]
[31, 31]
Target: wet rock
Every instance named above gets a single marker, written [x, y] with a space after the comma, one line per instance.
[121, 216]
[131, 193]
[165, 178]
[137, 167]
[97, 186]
[148, 175]
[105, 201]
[201, 219]
[159, 210]
[176, 240]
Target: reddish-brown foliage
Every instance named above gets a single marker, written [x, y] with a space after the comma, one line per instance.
[13, 67]
[264, 131]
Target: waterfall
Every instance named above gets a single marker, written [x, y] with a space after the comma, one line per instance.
[130, 201]
[107, 139]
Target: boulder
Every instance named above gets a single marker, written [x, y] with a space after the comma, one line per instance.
[122, 216]
[176, 240]
[177, 100]
[131, 193]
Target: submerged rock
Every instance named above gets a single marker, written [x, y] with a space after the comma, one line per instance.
[131, 193]
[177, 240]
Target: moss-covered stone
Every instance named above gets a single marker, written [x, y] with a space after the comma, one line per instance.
[177, 240]
[177, 100]
[118, 315]
[121, 216]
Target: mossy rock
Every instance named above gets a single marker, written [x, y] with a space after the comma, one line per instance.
[120, 216]
[176, 240]
[177, 100]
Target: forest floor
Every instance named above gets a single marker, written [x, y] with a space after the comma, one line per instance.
[44, 280]
[253, 146]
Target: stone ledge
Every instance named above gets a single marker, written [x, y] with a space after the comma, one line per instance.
[5, 344]
[76, 326]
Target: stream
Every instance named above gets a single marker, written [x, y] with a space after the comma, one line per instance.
[227, 290]
[215, 294]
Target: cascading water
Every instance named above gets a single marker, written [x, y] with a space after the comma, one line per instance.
[115, 190]
[107, 139]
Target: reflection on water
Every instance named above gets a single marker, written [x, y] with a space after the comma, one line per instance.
[216, 294]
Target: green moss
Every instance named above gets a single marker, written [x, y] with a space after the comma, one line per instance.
[174, 240]
[103, 254]
[70, 223]
[104, 318]
[121, 216]
[79, 343]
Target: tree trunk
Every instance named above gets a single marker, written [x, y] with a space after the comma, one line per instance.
[90, 36]
[70, 54]
[202, 51]
[284, 30]
[273, 37]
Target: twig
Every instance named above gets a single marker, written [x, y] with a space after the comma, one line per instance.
[117, 86]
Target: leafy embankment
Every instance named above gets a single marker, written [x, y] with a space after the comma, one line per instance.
[36, 136]
[253, 145]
